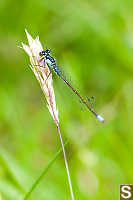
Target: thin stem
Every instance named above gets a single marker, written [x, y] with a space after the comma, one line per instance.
[66, 164]
[43, 173]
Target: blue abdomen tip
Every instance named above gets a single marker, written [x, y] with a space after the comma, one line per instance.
[100, 118]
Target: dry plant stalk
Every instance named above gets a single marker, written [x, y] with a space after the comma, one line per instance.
[41, 71]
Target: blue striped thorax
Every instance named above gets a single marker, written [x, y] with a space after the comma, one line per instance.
[51, 62]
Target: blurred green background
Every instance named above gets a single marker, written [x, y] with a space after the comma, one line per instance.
[93, 43]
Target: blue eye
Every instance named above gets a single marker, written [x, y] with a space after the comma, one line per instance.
[47, 51]
[42, 53]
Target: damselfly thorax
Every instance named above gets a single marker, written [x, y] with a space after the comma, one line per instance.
[50, 61]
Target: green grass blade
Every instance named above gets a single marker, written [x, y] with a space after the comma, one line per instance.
[43, 173]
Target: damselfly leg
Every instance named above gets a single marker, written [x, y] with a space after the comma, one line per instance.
[40, 60]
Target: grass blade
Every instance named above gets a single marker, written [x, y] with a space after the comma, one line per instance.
[43, 173]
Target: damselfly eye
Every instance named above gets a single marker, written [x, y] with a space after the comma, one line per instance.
[47, 51]
[42, 53]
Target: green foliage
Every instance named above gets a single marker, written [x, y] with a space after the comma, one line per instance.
[93, 43]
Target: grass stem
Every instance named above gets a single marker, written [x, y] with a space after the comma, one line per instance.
[66, 164]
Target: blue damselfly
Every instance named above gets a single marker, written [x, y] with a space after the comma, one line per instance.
[51, 62]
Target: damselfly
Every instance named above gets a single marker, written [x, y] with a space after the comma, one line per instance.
[51, 62]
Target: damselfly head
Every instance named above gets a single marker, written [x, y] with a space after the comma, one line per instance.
[42, 53]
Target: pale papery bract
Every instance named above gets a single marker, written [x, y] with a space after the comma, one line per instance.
[41, 71]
